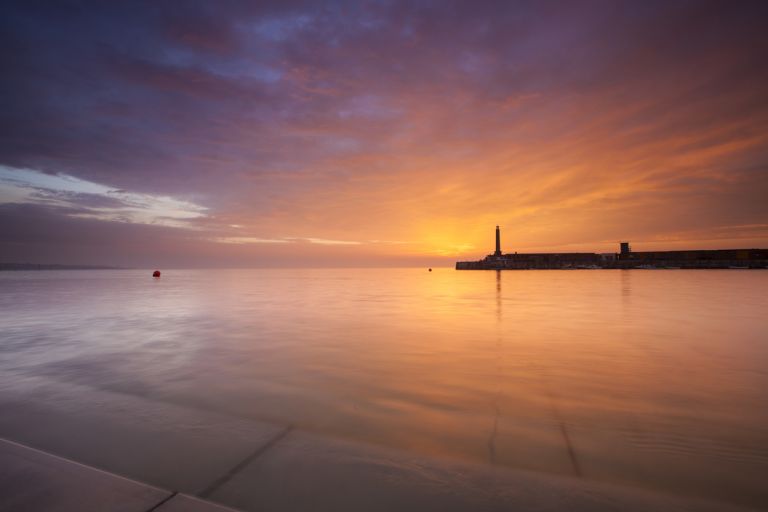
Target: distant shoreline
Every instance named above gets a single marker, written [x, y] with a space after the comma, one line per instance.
[54, 266]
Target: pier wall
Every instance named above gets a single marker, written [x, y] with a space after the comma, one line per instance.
[612, 264]
[624, 259]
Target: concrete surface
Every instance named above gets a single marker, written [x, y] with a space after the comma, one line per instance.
[309, 472]
[167, 445]
[32, 481]
[252, 465]
[184, 503]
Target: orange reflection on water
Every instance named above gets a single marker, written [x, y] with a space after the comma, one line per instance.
[652, 378]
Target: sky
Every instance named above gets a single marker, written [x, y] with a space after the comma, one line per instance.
[367, 133]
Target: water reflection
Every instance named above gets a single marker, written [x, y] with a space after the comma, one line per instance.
[626, 286]
[499, 375]
[541, 370]
[498, 295]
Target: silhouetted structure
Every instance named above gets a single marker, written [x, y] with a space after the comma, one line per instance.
[624, 248]
[624, 259]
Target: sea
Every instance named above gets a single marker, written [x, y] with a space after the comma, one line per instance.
[655, 379]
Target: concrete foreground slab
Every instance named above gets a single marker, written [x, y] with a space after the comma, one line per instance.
[32, 480]
[184, 503]
[256, 466]
[36, 481]
[311, 472]
[167, 445]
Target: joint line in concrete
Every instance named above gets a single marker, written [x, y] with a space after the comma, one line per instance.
[571, 451]
[164, 501]
[213, 487]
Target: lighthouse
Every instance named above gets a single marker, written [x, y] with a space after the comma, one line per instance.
[498, 242]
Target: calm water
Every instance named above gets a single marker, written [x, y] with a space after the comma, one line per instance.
[657, 379]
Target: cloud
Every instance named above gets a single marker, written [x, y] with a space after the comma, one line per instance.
[357, 121]
[325, 241]
[82, 198]
[249, 240]
[285, 240]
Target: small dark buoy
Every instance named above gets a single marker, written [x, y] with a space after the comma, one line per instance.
[156, 273]
[430, 270]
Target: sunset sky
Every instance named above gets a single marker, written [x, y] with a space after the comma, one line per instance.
[378, 133]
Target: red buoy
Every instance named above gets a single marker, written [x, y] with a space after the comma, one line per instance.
[156, 273]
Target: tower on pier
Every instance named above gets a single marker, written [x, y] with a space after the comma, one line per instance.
[498, 242]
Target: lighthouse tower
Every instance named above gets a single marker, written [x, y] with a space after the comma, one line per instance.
[498, 242]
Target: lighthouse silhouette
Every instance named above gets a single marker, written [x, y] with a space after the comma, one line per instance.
[498, 242]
